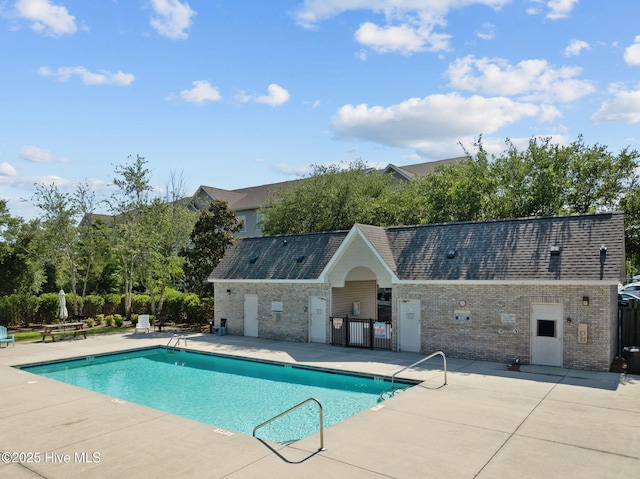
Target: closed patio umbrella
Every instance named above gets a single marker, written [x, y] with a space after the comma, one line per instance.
[62, 313]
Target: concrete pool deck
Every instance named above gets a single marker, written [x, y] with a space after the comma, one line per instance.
[487, 422]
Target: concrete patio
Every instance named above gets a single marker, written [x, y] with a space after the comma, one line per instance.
[487, 422]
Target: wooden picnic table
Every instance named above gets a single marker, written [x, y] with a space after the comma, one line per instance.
[54, 330]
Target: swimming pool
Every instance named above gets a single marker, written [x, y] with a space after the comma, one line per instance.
[236, 394]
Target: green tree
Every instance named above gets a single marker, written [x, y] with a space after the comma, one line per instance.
[597, 178]
[166, 228]
[59, 231]
[127, 205]
[531, 182]
[331, 198]
[21, 266]
[452, 192]
[210, 238]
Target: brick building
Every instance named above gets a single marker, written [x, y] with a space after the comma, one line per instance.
[542, 290]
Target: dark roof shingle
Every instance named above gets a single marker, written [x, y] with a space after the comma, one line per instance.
[287, 257]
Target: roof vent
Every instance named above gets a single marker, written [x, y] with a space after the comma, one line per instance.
[300, 258]
[285, 242]
[451, 253]
[555, 250]
[253, 258]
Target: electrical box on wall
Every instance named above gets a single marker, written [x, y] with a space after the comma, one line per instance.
[276, 310]
[582, 334]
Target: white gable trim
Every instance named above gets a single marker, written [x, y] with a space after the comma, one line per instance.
[342, 250]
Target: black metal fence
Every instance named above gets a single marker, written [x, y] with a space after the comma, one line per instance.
[361, 333]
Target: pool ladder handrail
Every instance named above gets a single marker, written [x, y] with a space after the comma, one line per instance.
[292, 409]
[437, 353]
[177, 338]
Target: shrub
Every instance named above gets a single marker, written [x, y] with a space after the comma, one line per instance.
[48, 307]
[93, 305]
[112, 303]
[140, 303]
[108, 320]
[99, 319]
[90, 322]
[18, 309]
[173, 306]
[117, 320]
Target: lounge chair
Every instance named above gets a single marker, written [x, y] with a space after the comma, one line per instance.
[143, 323]
[6, 338]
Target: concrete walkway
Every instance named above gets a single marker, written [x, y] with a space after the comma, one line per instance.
[487, 422]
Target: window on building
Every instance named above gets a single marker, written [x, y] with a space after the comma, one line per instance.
[259, 220]
[243, 219]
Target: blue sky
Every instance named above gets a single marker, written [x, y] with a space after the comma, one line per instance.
[237, 93]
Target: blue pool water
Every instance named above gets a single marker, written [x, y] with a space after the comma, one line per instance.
[230, 393]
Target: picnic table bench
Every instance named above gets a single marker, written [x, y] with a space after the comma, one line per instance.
[54, 330]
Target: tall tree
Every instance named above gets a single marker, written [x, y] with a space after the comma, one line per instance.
[331, 198]
[212, 234]
[59, 229]
[127, 204]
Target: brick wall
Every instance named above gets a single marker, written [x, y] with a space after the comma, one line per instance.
[488, 335]
[293, 325]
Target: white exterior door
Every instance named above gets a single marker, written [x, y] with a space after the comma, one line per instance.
[546, 334]
[409, 335]
[317, 320]
[251, 315]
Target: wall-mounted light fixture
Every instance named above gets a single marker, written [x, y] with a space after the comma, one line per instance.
[585, 301]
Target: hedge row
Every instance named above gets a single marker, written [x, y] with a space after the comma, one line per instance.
[23, 309]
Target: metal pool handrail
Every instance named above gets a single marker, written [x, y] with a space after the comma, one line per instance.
[444, 359]
[177, 338]
[291, 409]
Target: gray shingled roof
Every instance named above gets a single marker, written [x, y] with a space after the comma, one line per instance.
[513, 249]
[517, 249]
[295, 257]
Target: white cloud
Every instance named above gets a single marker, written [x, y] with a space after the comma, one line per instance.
[6, 169]
[556, 9]
[172, 18]
[487, 32]
[575, 48]
[201, 92]
[409, 24]
[313, 12]
[46, 18]
[103, 77]
[560, 8]
[421, 123]
[405, 39]
[242, 96]
[39, 155]
[632, 53]
[276, 96]
[530, 79]
[625, 107]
